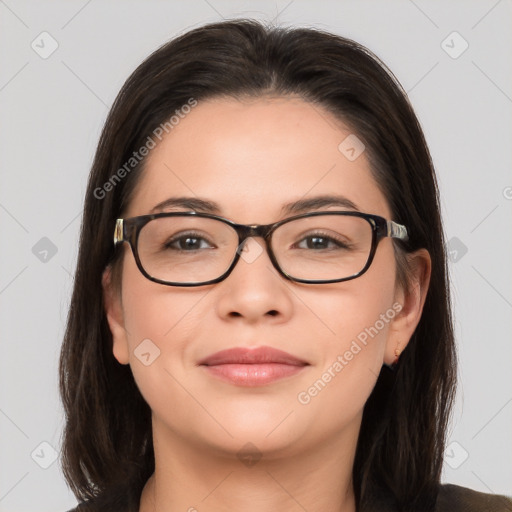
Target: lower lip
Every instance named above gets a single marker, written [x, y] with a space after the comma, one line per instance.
[253, 374]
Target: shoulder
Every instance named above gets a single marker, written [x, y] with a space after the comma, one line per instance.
[455, 498]
[450, 498]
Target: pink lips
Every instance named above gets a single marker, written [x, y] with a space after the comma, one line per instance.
[252, 367]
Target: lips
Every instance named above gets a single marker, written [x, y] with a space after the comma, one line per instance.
[252, 367]
[260, 355]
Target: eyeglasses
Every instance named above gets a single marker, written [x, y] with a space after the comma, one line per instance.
[194, 249]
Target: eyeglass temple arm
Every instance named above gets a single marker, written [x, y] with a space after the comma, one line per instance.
[397, 230]
[119, 232]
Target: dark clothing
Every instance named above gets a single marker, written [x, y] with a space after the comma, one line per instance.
[454, 497]
[451, 498]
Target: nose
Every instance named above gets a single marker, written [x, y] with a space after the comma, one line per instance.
[254, 290]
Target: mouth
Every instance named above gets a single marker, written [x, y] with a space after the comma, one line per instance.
[252, 367]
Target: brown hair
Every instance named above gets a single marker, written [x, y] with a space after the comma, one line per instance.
[107, 446]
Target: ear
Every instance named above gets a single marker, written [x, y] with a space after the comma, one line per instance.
[115, 317]
[409, 304]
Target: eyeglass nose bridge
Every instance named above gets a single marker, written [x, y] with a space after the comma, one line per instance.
[246, 231]
[253, 230]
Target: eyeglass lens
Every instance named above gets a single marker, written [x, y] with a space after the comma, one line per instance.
[196, 249]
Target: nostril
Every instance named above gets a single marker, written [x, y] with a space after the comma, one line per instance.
[272, 312]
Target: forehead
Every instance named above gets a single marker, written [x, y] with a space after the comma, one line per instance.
[251, 157]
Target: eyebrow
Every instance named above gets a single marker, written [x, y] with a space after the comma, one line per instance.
[302, 205]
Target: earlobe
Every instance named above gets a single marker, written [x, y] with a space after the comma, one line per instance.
[115, 317]
[411, 302]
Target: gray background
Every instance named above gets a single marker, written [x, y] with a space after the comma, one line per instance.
[52, 110]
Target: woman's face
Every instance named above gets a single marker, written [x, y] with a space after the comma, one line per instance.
[251, 158]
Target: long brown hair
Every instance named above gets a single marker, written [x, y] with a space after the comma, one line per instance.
[107, 448]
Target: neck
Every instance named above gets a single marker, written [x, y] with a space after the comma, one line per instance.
[196, 478]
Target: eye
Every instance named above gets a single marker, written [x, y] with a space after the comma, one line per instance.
[187, 242]
[321, 241]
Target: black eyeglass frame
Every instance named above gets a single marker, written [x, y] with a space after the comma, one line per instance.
[128, 230]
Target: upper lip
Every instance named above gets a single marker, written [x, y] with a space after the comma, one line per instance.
[242, 355]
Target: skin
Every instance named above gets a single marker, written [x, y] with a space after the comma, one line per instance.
[251, 157]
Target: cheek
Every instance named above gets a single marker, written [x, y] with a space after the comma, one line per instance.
[348, 310]
[159, 322]
[354, 326]
[155, 311]
[352, 334]
[336, 391]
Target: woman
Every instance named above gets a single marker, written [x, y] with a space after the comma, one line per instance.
[260, 318]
